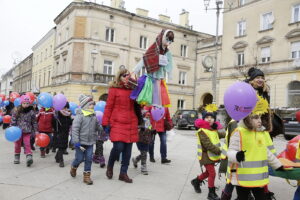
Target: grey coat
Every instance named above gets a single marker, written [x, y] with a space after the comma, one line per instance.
[85, 129]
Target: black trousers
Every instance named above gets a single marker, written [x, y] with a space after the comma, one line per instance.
[99, 148]
[243, 193]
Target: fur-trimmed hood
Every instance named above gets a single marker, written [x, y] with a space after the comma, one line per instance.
[200, 123]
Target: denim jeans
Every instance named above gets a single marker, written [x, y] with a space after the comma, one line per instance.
[163, 145]
[297, 194]
[85, 156]
[125, 149]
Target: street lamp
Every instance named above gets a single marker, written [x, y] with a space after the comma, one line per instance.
[94, 53]
[214, 69]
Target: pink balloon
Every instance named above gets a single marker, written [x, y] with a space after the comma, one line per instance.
[157, 113]
[239, 100]
[99, 116]
[59, 101]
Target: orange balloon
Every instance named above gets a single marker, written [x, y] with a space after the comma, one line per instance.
[31, 96]
[7, 119]
[13, 96]
[42, 140]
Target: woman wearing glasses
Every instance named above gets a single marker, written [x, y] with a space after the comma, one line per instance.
[121, 117]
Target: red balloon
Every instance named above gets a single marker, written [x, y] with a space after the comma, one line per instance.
[291, 150]
[13, 96]
[31, 96]
[295, 139]
[298, 116]
[42, 140]
[2, 96]
[6, 119]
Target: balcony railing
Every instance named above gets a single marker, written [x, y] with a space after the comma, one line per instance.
[103, 78]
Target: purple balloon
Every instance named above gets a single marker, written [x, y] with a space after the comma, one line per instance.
[157, 113]
[99, 116]
[59, 101]
[239, 100]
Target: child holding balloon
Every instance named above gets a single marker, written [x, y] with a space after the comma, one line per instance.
[24, 117]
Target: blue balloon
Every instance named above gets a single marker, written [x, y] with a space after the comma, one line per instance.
[34, 103]
[17, 102]
[73, 107]
[13, 133]
[6, 103]
[100, 106]
[1, 119]
[45, 100]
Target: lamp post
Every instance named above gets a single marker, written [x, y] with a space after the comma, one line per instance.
[215, 67]
[94, 53]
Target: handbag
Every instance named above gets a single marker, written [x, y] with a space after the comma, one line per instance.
[167, 125]
[146, 136]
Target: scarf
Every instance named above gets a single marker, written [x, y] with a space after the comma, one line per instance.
[88, 112]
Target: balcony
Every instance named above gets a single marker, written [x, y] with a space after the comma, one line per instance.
[103, 78]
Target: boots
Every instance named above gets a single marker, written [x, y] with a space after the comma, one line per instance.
[144, 169]
[43, 154]
[102, 161]
[152, 159]
[96, 159]
[87, 178]
[135, 162]
[212, 194]
[29, 160]
[269, 195]
[165, 161]
[225, 196]
[109, 172]
[196, 183]
[17, 159]
[61, 163]
[125, 178]
[73, 171]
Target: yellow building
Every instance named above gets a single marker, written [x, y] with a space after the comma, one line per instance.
[42, 68]
[264, 34]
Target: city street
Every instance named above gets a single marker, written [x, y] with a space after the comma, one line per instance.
[45, 180]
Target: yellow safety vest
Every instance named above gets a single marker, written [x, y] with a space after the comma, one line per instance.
[270, 145]
[298, 153]
[214, 139]
[253, 172]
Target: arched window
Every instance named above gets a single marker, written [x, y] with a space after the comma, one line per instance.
[294, 94]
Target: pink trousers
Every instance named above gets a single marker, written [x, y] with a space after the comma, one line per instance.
[25, 138]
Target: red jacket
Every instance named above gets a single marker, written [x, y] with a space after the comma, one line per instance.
[44, 120]
[120, 115]
[159, 125]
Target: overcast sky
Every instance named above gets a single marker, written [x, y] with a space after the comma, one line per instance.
[25, 22]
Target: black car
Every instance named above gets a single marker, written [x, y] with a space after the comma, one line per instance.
[185, 118]
[291, 126]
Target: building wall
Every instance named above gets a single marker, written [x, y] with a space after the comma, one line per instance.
[22, 74]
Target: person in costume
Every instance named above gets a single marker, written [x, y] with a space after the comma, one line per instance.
[249, 155]
[121, 118]
[209, 149]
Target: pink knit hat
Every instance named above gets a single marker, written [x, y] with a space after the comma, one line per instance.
[25, 99]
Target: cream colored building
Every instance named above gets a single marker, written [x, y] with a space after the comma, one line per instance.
[22, 75]
[266, 34]
[6, 82]
[93, 40]
[43, 61]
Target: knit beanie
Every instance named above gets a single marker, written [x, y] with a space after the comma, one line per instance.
[205, 114]
[254, 72]
[25, 99]
[85, 101]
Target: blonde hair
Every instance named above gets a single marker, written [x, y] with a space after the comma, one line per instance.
[117, 79]
[265, 87]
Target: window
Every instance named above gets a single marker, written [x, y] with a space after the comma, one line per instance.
[240, 59]
[242, 2]
[46, 53]
[41, 56]
[182, 77]
[50, 51]
[37, 59]
[265, 54]
[64, 65]
[143, 42]
[183, 51]
[107, 68]
[10, 83]
[67, 34]
[295, 13]
[295, 50]
[44, 83]
[59, 38]
[180, 104]
[241, 28]
[266, 21]
[49, 77]
[109, 35]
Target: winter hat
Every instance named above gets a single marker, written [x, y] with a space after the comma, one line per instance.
[67, 105]
[25, 99]
[85, 101]
[205, 114]
[254, 72]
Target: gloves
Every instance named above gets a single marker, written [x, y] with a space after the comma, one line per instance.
[214, 126]
[280, 169]
[240, 156]
[106, 129]
[77, 145]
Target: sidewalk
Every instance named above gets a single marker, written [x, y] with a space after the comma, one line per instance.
[45, 180]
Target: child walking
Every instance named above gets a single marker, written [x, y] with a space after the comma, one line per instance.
[61, 125]
[85, 131]
[24, 117]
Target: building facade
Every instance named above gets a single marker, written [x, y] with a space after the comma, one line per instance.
[43, 60]
[264, 34]
[92, 41]
[22, 75]
[7, 82]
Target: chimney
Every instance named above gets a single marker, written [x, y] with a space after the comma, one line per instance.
[164, 18]
[142, 12]
[184, 18]
[119, 4]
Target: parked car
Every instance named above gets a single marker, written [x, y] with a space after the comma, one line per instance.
[185, 118]
[291, 126]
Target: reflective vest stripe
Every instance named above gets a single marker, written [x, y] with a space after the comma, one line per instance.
[253, 177]
[253, 164]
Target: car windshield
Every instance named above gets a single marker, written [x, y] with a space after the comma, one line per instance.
[292, 115]
[189, 112]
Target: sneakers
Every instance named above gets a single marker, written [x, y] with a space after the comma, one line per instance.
[165, 161]
[102, 161]
[144, 169]
[29, 160]
[134, 161]
[17, 159]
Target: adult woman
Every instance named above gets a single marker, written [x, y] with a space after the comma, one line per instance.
[120, 119]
